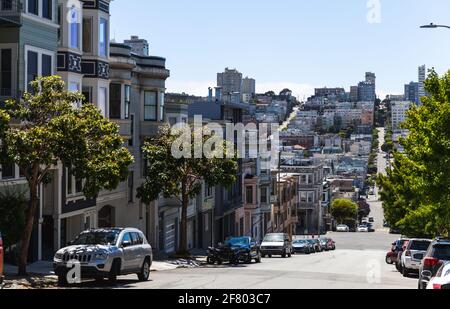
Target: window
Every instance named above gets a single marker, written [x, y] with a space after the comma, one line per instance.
[115, 98]
[264, 195]
[38, 63]
[303, 197]
[103, 37]
[74, 28]
[33, 7]
[249, 195]
[8, 171]
[5, 72]
[137, 239]
[32, 68]
[208, 190]
[127, 238]
[131, 187]
[150, 106]
[74, 87]
[102, 100]
[69, 182]
[87, 93]
[46, 65]
[161, 106]
[131, 140]
[127, 100]
[87, 35]
[47, 9]
[310, 197]
[59, 20]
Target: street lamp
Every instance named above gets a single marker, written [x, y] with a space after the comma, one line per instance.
[433, 26]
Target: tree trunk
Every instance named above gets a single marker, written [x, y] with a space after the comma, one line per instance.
[26, 236]
[183, 228]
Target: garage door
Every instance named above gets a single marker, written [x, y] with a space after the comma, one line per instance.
[170, 238]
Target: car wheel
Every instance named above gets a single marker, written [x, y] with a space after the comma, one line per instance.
[248, 260]
[114, 272]
[405, 272]
[290, 254]
[145, 271]
[219, 262]
[258, 259]
[284, 254]
[209, 261]
[270, 256]
[389, 260]
[263, 256]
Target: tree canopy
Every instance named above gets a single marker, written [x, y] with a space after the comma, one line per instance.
[48, 129]
[416, 191]
[182, 177]
[344, 209]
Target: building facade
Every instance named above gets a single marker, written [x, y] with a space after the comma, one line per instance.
[230, 81]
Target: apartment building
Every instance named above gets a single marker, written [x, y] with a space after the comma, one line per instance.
[398, 111]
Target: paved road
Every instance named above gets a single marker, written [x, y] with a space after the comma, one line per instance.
[358, 263]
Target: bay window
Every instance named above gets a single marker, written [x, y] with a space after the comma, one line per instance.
[161, 106]
[127, 100]
[103, 37]
[150, 105]
[74, 28]
[87, 35]
[38, 63]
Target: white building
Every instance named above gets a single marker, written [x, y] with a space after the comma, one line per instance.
[399, 110]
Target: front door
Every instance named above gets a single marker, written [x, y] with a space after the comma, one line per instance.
[48, 234]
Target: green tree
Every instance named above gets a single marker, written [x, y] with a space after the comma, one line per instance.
[344, 209]
[181, 177]
[52, 130]
[416, 191]
[12, 219]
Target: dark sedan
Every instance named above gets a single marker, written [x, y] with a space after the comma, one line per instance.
[303, 246]
[234, 250]
[316, 244]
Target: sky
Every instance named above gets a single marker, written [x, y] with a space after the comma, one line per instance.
[296, 44]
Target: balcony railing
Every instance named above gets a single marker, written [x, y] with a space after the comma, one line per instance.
[10, 12]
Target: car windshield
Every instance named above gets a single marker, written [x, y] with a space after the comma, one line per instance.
[420, 245]
[274, 238]
[237, 241]
[299, 242]
[442, 252]
[97, 238]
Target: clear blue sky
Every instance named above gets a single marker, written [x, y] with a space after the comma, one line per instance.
[297, 43]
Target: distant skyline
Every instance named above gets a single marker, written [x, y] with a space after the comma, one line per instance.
[296, 44]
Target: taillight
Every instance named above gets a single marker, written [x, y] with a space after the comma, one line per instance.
[408, 253]
[437, 286]
[430, 262]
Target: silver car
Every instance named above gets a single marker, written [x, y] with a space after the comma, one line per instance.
[104, 253]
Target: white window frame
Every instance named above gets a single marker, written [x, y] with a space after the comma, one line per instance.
[74, 186]
[40, 52]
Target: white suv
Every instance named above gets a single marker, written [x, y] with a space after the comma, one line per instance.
[413, 255]
[105, 253]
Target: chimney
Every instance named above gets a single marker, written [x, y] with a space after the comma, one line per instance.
[218, 93]
[210, 94]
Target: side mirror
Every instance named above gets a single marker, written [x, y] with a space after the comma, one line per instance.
[126, 244]
[426, 274]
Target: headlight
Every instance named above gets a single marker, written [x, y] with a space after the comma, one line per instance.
[101, 256]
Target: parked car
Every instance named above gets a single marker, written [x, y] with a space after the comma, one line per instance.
[397, 246]
[342, 228]
[438, 253]
[302, 246]
[399, 264]
[370, 227]
[235, 250]
[331, 244]
[106, 253]
[2, 253]
[363, 229]
[313, 245]
[324, 244]
[276, 244]
[317, 245]
[394, 230]
[442, 279]
[413, 255]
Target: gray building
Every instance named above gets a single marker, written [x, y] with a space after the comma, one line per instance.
[412, 92]
[248, 86]
[138, 46]
[366, 92]
[371, 78]
[230, 81]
